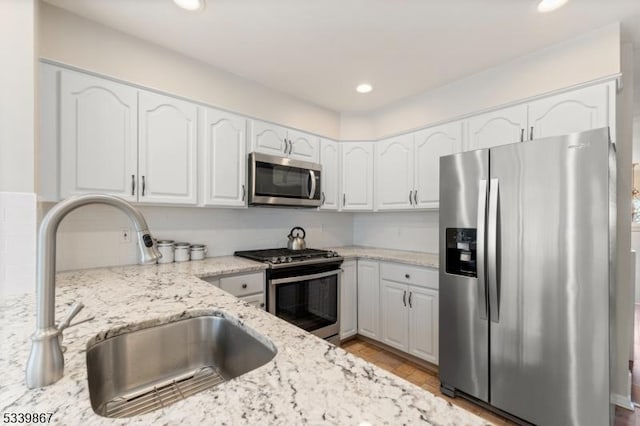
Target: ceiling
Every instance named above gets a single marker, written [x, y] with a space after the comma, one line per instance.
[319, 50]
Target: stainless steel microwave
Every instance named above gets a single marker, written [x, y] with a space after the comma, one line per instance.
[279, 181]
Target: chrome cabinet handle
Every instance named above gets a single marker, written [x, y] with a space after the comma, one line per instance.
[133, 185]
[480, 249]
[415, 197]
[410, 294]
[243, 192]
[290, 146]
[286, 146]
[410, 199]
[323, 199]
[344, 199]
[404, 298]
[144, 185]
[531, 134]
[522, 135]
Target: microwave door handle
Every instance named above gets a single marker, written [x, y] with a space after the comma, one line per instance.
[312, 191]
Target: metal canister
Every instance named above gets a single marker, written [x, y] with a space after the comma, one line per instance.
[166, 249]
[198, 251]
[181, 253]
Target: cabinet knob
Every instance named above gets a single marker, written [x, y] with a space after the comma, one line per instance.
[407, 276]
[244, 285]
[262, 305]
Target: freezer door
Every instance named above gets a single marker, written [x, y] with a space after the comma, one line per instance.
[548, 273]
[464, 329]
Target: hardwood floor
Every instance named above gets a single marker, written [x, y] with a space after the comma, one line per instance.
[429, 380]
[415, 374]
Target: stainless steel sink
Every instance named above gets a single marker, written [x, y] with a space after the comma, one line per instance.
[143, 370]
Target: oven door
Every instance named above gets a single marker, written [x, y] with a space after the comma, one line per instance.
[311, 302]
[283, 182]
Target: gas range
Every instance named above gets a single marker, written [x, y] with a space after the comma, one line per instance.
[283, 257]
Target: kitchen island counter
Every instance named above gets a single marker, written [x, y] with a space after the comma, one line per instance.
[308, 381]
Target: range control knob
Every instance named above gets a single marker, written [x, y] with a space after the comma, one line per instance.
[289, 260]
[274, 260]
[283, 259]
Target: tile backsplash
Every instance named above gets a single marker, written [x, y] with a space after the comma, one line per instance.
[17, 242]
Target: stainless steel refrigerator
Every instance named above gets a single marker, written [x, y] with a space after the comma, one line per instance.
[526, 247]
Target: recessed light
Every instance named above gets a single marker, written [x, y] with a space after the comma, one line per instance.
[364, 88]
[549, 5]
[190, 5]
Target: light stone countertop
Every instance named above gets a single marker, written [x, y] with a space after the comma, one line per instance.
[308, 381]
[429, 260]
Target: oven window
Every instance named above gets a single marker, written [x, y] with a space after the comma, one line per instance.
[309, 304]
[274, 180]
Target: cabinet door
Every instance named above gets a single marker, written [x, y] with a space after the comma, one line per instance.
[98, 148]
[571, 112]
[357, 176]
[395, 314]
[330, 160]
[268, 138]
[423, 323]
[349, 300]
[496, 128]
[225, 159]
[394, 173]
[368, 299]
[167, 150]
[430, 145]
[303, 146]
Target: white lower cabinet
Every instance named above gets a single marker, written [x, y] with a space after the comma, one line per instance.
[368, 299]
[349, 299]
[423, 323]
[409, 310]
[246, 287]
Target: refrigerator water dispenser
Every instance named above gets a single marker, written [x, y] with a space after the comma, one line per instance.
[461, 252]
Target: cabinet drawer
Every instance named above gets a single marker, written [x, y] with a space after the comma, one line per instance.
[242, 285]
[407, 274]
[256, 300]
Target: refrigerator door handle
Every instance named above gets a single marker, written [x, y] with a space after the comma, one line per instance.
[492, 252]
[480, 249]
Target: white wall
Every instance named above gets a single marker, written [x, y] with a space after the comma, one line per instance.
[91, 235]
[586, 58]
[17, 145]
[416, 231]
[74, 40]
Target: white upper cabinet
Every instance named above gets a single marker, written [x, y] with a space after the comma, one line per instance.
[268, 138]
[98, 140]
[330, 182]
[224, 151]
[167, 138]
[302, 146]
[496, 128]
[430, 145]
[575, 111]
[394, 173]
[357, 175]
[276, 140]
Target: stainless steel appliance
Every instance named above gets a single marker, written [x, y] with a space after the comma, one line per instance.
[279, 181]
[526, 242]
[303, 288]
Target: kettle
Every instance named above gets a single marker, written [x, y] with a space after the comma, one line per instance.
[296, 242]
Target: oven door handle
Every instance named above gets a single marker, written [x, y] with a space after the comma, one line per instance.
[304, 277]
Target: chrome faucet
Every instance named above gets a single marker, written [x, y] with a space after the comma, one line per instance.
[46, 362]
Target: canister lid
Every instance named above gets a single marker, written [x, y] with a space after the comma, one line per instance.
[197, 247]
[164, 242]
[182, 245]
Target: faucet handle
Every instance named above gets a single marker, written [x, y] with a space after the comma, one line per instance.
[75, 309]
